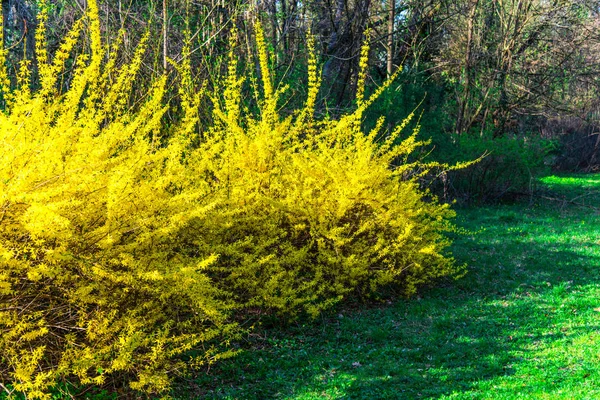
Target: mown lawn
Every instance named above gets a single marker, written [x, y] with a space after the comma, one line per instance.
[524, 323]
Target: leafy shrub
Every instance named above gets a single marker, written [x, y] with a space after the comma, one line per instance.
[124, 245]
[506, 165]
[579, 143]
[92, 284]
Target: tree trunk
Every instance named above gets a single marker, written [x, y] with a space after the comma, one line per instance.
[465, 97]
[390, 38]
[165, 34]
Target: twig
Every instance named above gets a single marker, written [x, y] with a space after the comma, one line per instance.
[571, 201]
[6, 389]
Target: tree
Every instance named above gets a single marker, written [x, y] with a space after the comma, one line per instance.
[509, 58]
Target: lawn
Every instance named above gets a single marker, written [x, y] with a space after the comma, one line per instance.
[524, 323]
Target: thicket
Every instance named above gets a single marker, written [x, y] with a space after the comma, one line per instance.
[507, 165]
[127, 244]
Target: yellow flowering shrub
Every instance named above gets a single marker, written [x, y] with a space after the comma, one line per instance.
[93, 286]
[310, 211]
[124, 245]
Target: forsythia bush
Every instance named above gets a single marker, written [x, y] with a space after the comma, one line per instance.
[92, 283]
[313, 211]
[124, 246]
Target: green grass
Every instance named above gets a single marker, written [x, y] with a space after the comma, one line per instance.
[524, 323]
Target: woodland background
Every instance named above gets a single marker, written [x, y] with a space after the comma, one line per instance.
[514, 79]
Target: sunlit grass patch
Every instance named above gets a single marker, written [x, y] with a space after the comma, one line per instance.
[571, 186]
[578, 180]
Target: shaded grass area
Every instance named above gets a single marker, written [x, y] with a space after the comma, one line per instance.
[524, 323]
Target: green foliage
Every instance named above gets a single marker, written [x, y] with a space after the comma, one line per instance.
[507, 165]
[125, 245]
